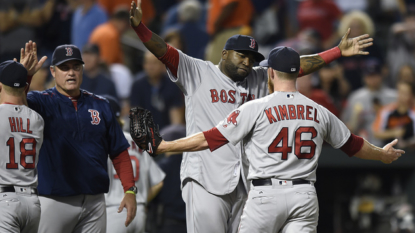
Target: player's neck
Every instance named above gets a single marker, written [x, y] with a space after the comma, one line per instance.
[285, 85]
[17, 100]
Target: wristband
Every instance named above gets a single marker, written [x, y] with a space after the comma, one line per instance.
[330, 55]
[143, 32]
[130, 192]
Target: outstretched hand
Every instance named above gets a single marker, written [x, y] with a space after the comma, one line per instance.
[354, 46]
[391, 154]
[136, 14]
[28, 58]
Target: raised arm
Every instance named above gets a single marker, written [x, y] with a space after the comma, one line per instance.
[152, 41]
[347, 47]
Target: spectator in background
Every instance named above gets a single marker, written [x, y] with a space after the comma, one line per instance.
[320, 15]
[307, 41]
[359, 23]
[332, 82]
[397, 120]
[18, 19]
[57, 30]
[108, 36]
[406, 73]
[225, 19]
[153, 91]
[173, 216]
[362, 105]
[305, 87]
[194, 36]
[401, 47]
[86, 18]
[123, 79]
[111, 6]
[95, 78]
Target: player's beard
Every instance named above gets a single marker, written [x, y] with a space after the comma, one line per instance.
[232, 70]
[270, 86]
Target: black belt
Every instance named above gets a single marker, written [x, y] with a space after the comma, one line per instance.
[10, 189]
[268, 182]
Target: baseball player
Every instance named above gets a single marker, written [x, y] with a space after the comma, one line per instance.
[148, 179]
[211, 92]
[282, 136]
[20, 141]
[80, 133]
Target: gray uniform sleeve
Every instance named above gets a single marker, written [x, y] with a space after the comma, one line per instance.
[189, 74]
[238, 123]
[336, 133]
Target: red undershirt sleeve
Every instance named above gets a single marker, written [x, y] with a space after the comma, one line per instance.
[122, 164]
[353, 145]
[214, 139]
[171, 59]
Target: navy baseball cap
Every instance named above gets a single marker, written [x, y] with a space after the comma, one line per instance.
[244, 43]
[284, 59]
[13, 74]
[64, 53]
[114, 104]
[372, 66]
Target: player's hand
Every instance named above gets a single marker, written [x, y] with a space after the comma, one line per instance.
[136, 14]
[28, 58]
[391, 154]
[130, 203]
[354, 46]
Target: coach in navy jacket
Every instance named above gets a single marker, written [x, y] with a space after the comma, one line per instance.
[80, 133]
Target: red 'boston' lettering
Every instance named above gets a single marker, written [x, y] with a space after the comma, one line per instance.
[271, 118]
[232, 96]
[214, 95]
[243, 97]
[223, 96]
[291, 110]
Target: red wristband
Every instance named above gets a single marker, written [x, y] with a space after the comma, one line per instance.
[331, 55]
[143, 32]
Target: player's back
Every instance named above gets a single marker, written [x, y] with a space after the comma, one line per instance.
[20, 141]
[287, 135]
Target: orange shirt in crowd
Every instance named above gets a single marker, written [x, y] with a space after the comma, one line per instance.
[107, 37]
[146, 6]
[240, 17]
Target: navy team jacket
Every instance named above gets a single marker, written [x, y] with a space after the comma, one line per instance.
[73, 157]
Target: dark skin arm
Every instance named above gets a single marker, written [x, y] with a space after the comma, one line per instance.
[309, 63]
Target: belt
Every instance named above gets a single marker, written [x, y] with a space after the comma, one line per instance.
[10, 189]
[268, 182]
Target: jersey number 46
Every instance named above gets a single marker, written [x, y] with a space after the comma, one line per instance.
[298, 143]
[23, 153]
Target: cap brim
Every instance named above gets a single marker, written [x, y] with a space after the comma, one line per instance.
[264, 63]
[69, 59]
[257, 56]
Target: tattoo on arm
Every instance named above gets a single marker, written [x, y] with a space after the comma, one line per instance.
[311, 63]
[156, 45]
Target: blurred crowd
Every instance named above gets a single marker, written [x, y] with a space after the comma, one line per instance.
[373, 94]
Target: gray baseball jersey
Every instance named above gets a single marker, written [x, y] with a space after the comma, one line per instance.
[210, 96]
[21, 138]
[146, 174]
[283, 134]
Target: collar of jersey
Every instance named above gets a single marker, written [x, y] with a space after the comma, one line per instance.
[65, 98]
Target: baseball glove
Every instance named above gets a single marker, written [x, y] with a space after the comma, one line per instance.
[143, 130]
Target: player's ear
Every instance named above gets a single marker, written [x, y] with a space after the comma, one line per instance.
[270, 73]
[1, 87]
[52, 70]
[225, 54]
